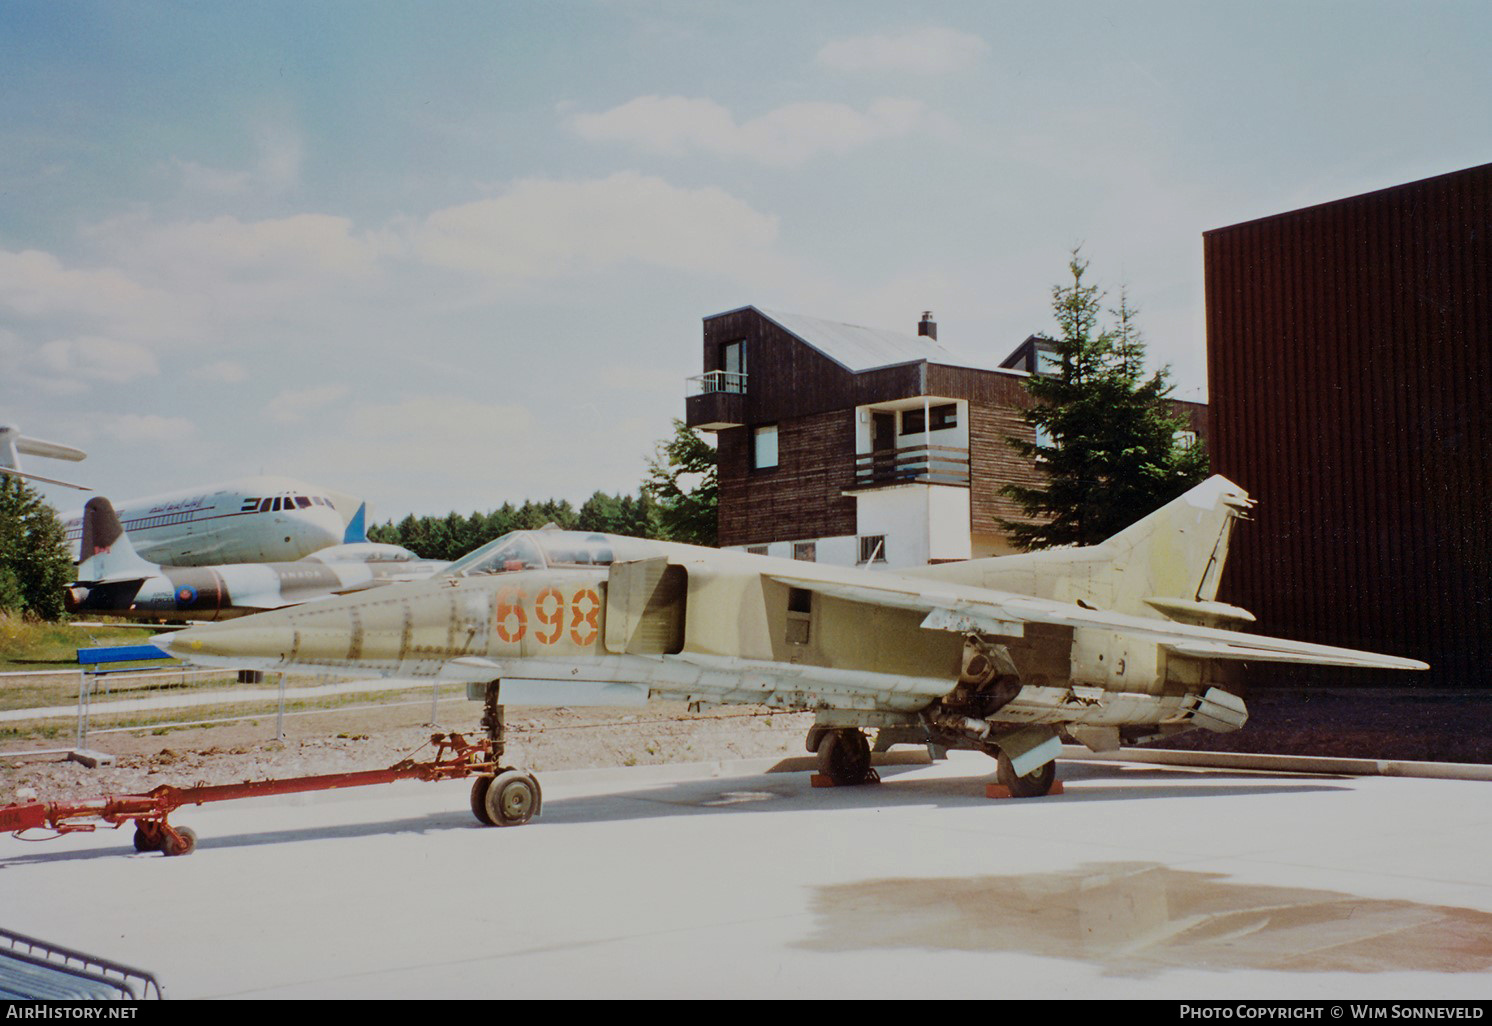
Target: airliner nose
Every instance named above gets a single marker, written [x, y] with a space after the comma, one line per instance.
[315, 528]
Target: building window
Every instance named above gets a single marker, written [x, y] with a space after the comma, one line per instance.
[873, 548]
[764, 451]
[913, 422]
[806, 551]
[733, 366]
[757, 550]
[1184, 439]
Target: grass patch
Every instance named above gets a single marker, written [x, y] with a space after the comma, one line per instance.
[27, 644]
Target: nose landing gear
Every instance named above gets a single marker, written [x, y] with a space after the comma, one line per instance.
[510, 797]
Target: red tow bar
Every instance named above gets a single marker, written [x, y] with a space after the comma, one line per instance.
[455, 758]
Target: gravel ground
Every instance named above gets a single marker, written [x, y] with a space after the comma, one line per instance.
[1402, 723]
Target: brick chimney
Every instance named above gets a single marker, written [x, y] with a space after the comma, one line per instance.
[927, 326]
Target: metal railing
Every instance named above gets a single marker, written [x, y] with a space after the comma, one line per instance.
[919, 464]
[732, 382]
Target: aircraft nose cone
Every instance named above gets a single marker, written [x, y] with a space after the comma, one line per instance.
[319, 527]
[228, 645]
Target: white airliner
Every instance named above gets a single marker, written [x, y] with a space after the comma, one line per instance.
[247, 520]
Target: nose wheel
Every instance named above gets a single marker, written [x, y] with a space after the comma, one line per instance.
[511, 798]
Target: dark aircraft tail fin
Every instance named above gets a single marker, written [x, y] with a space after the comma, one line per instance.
[106, 553]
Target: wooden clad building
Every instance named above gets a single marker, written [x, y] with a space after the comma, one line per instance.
[850, 445]
[1350, 371]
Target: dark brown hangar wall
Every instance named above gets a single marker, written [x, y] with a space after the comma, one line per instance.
[1350, 371]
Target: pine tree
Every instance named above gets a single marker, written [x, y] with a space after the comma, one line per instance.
[1109, 445]
[35, 566]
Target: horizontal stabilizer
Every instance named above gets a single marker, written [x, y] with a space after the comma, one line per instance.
[51, 450]
[27, 475]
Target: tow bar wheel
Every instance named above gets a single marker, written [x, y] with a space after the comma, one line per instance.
[512, 798]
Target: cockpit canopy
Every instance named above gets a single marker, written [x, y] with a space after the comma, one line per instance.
[365, 552]
[535, 550]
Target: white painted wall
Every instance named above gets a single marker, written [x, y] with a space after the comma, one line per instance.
[949, 523]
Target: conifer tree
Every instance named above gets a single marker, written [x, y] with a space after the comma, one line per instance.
[35, 565]
[1108, 444]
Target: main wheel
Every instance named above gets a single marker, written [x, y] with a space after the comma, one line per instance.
[844, 757]
[1033, 785]
[513, 798]
[184, 842]
[479, 788]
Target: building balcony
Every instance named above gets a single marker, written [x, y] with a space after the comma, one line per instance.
[912, 464]
[716, 401]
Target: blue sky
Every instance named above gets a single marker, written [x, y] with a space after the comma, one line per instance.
[446, 255]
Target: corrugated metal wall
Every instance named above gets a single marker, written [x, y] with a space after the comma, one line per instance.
[1350, 371]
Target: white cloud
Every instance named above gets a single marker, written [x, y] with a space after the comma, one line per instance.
[283, 248]
[215, 181]
[541, 228]
[35, 285]
[292, 405]
[783, 137]
[97, 358]
[148, 427]
[925, 51]
[277, 170]
[225, 372]
[426, 441]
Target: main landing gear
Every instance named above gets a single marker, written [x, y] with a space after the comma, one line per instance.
[844, 755]
[510, 797]
[1033, 785]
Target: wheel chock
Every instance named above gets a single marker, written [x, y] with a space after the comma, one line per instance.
[824, 780]
[1001, 791]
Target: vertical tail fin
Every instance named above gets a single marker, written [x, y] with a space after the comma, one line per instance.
[106, 553]
[357, 527]
[1172, 560]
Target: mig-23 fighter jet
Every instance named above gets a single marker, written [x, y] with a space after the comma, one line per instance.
[1115, 643]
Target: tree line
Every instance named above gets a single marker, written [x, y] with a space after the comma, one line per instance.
[453, 535]
[675, 503]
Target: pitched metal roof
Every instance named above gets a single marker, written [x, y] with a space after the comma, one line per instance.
[860, 349]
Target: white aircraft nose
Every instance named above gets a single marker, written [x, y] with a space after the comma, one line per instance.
[316, 528]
